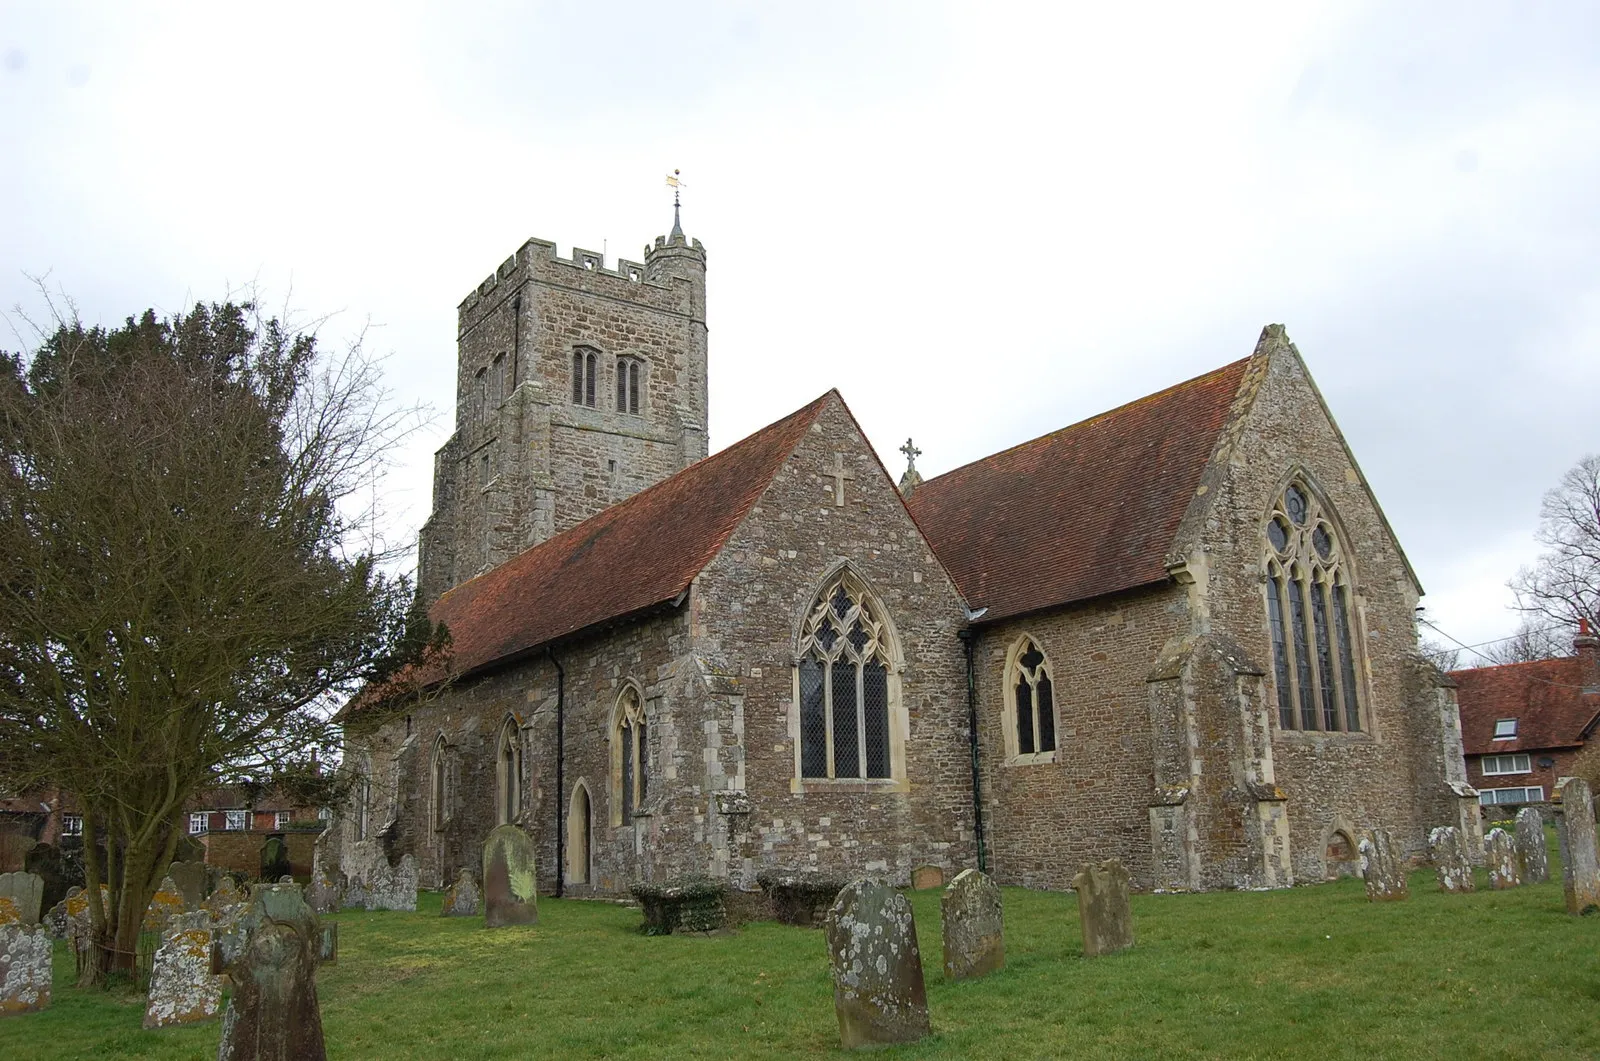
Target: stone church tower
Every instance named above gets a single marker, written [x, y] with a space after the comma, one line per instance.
[576, 387]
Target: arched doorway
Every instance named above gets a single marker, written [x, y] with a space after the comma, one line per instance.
[579, 836]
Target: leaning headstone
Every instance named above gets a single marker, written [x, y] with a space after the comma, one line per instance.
[191, 879]
[510, 887]
[878, 993]
[25, 969]
[1103, 908]
[1532, 851]
[273, 1013]
[225, 900]
[183, 989]
[1381, 868]
[974, 929]
[27, 891]
[461, 898]
[1580, 869]
[166, 904]
[1450, 860]
[926, 878]
[1500, 851]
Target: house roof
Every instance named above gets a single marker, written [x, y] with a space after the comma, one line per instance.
[637, 554]
[1087, 510]
[1545, 696]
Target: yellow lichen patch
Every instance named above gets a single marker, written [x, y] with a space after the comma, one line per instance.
[10, 914]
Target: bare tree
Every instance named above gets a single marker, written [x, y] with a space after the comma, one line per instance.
[184, 598]
[1563, 586]
[1446, 657]
[1534, 639]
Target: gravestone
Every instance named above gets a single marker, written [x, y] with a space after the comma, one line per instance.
[974, 929]
[14, 848]
[1500, 851]
[26, 890]
[1450, 860]
[273, 1013]
[1381, 868]
[799, 898]
[61, 872]
[57, 920]
[1103, 909]
[225, 900]
[1580, 869]
[510, 887]
[328, 943]
[878, 993]
[461, 898]
[25, 969]
[1532, 851]
[376, 885]
[166, 904]
[183, 989]
[274, 858]
[10, 912]
[926, 878]
[323, 893]
[191, 879]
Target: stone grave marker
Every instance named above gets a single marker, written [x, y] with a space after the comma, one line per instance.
[1580, 869]
[323, 892]
[878, 993]
[14, 848]
[799, 898]
[26, 890]
[166, 904]
[1450, 860]
[1532, 851]
[25, 969]
[328, 943]
[1103, 908]
[510, 886]
[192, 879]
[1381, 868]
[224, 900]
[10, 912]
[376, 885]
[974, 928]
[183, 990]
[461, 898]
[1500, 850]
[926, 878]
[273, 1013]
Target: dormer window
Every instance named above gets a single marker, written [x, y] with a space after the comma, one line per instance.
[1505, 729]
[585, 367]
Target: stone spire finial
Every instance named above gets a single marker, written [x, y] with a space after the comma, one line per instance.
[910, 480]
[675, 184]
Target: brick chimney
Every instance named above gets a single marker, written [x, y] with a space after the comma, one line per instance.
[1587, 648]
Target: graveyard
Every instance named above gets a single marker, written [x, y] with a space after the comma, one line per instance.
[1309, 971]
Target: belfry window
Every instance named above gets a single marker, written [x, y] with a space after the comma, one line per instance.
[1308, 618]
[585, 366]
[630, 758]
[844, 678]
[1030, 697]
[629, 382]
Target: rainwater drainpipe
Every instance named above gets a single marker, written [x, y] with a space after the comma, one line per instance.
[967, 636]
[561, 762]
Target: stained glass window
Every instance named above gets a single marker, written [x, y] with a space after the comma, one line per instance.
[843, 672]
[1032, 702]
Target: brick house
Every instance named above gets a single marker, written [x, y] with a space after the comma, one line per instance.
[1179, 633]
[1522, 723]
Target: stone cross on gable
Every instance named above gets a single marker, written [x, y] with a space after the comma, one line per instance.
[840, 476]
[912, 453]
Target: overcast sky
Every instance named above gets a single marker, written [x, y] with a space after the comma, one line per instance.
[981, 222]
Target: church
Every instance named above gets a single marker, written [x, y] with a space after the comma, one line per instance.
[1179, 633]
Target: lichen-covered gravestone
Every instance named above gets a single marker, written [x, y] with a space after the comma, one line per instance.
[926, 878]
[1381, 868]
[273, 1013]
[1580, 868]
[166, 904]
[376, 885]
[225, 901]
[1103, 909]
[26, 890]
[878, 993]
[1531, 849]
[323, 893]
[510, 886]
[192, 879]
[1450, 860]
[974, 928]
[25, 974]
[183, 989]
[1500, 850]
[461, 898]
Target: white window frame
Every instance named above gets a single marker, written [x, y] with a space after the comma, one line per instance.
[199, 822]
[282, 819]
[72, 825]
[1510, 763]
[236, 821]
[1491, 797]
[1505, 729]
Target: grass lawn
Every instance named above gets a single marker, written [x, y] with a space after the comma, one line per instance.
[1310, 973]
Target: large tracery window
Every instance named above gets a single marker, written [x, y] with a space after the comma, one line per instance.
[630, 758]
[1309, 616]
[843, 670]
[1031, 719]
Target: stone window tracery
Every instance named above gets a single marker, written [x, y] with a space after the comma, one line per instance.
[508, 773]
[585, 370]
[1030, 722]
[1309, 617]
[843, 666]
[439, 787]
[630, 757]
[630, 385]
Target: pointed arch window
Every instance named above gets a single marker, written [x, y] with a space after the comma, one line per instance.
[630, 757]
[630, 385]
[1309, 615]
[845, 687]
[508, 773]
[1030, 722]
[439, 786]
[585, 369]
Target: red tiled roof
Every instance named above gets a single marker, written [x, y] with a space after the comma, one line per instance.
[641, 552]
[1090, 509]
[1545, 697]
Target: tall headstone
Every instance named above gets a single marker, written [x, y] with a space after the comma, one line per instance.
[183, 989]
[1450, 860]
[323, 893]
[26, 890]
[1500, 851]
[273, 1013]
[974, 928]
[166, 904]
[878, 993]
[192, 880]
[510, 886]
[461, 898]
[25, 969]
[1381, 868]
[1103, 909]
[1532, 851]
[1580, 869]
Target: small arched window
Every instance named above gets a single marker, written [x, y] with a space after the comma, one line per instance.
[630, 385]
[480, 387]
[1309, 617]
[585, 366]
[508, 773]
[497, 379]
[843, 667]
[440, 785]
[630, 757]
[1030, 705]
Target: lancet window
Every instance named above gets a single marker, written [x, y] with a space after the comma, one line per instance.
[630, 383]
[1031, 695]
[1309, 617]
[440, 785]
[585, 369]
[630, 758]
[508, 773]
[843, 664]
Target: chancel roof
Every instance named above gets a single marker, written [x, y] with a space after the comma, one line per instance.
[1545, 697]
[1087, 510]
